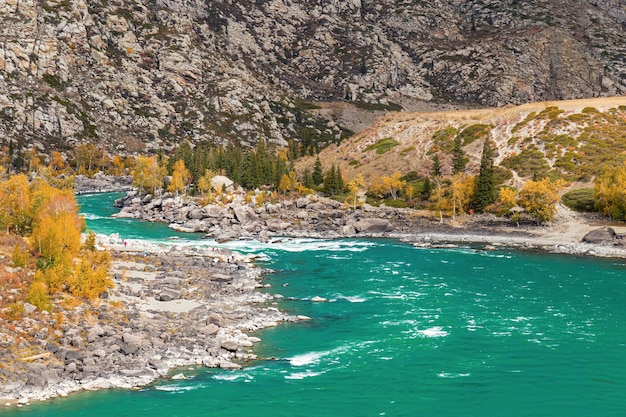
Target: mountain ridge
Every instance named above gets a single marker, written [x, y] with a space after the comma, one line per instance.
[139, 76]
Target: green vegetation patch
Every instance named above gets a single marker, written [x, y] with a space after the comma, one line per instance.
[529, 163]
[550, 113]
[473, 132]
[53, 81]
[382, 146]
[580, 200]
[443, 140]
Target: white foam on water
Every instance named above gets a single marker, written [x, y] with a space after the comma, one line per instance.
[299, 245]
[177, 388]
[435, 331]
[349, 298]
[89, 216]
[232, 377]
[308, 358]
[302, 375]
[452, 375]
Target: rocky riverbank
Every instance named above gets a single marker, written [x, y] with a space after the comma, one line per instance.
[168, 309]
[317, 217]
[102, 183]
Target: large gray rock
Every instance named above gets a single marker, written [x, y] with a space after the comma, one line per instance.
[132, 339]
[245, 214]
[220, 182]
[168, 294]
[217, 319]
[373, 226]
[602, 236]
[230, 345]
[209, 330]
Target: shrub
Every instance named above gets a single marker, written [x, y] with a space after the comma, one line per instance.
[20, 257]
[473, 132]
[382, 146]
[530, 162]
[580, 200]
[38, 296]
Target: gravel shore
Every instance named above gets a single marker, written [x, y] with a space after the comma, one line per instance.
[168, 309]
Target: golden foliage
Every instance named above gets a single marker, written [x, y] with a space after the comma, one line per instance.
[539, 198]
[38, 296]
[610, 192]
[147, 173]
[354, 189]
[15, 204]
[180, 177]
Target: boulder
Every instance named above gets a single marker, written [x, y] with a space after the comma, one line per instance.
[229, 365]
[29, 308]
[220, 182]
[230, 345]
[245, 214]
[217, 319]
[277, 225]
[195, 214]
[373, 226]
[302, 202]
[212, 210]
[602, 236]
[209, 330]
[132, 339]
[348, 230]
[168, 294]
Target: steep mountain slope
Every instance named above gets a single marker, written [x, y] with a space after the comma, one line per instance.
[574, 140]
[138, 75]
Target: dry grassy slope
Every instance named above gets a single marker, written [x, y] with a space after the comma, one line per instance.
[414, 132]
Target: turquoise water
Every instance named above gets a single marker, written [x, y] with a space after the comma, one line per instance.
[411, 332]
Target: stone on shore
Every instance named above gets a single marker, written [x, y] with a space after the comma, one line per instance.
[373, 226]
[601, 236]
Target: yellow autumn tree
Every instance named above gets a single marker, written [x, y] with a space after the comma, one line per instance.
[180, 177]
[90, 278]
[539, 198]
[610, 193]
[439, 197]
[148, 174]
[285, 184]
[15, 204]
[354, 189]
[118, 165]
[461, 191]
[57, 164]
[376, 187]
[204, 184]
[392, 185]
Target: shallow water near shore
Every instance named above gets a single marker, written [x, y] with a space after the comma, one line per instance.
[407, 331]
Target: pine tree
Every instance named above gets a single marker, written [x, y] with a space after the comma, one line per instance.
[307, 179]
[436, 168]
[318, 175]
[340, 183]
[485, 185]
[330, 181]
[458, 156]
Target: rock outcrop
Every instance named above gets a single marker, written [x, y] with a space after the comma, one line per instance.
[313, 216]
[138, 76]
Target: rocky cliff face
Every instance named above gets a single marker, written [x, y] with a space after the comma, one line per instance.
[142, 75]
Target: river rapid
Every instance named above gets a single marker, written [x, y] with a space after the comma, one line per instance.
[401, 331]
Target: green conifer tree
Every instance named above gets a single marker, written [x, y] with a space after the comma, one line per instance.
[318, 175]
[485, 186]
[458, 157]
[436, 168]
